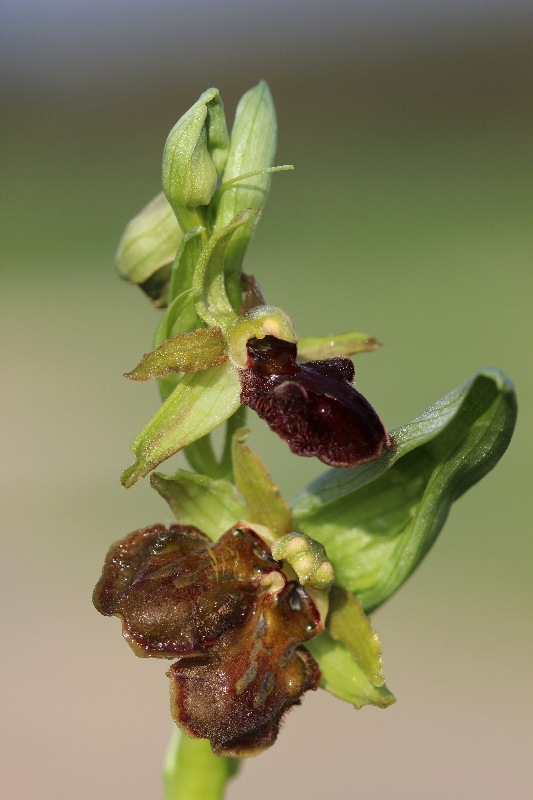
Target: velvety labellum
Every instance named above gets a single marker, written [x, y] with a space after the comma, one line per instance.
[229, 614]
[313, 406]
[237, 696]
[176, 591]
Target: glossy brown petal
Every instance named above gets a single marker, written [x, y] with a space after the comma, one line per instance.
[236, 695]
[177, 592]
[313, 406]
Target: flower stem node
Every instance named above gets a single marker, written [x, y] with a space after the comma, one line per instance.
[307, 558]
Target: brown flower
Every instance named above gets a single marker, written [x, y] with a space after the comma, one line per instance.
[230, 615]
[313, 406]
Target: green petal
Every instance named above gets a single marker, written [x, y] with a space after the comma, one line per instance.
[314, 348]
[378, 520]
[200, 402]
[193, 772]
[344, 677]
[348, 623]
[186, 352]
[148, 247]
[252, 148]
[212, 505]
[263, 500]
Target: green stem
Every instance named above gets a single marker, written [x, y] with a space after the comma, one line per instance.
[201, 457]
[237, 420]
[193, 772]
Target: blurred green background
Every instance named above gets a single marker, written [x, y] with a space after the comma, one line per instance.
[408, 216]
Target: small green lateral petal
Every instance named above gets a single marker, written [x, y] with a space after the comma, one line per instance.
[315, 348]
[186, 352]
[211, 505]
[348, 623]
[377, 521]
[198, 404]
[344, 677]
[264, 503]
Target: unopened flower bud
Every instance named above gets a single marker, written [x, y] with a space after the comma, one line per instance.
[148, 247]
[195, 155]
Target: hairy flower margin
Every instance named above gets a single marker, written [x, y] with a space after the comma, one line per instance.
[258, 600]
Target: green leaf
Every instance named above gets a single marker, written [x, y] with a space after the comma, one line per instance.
[213, 506]
[148, 247]
[213, 305]
[264, 502]
[193, 772]
[377, 521]
[314, 348]
[348, 623]
[252, 148]
[344, 677]
[186, 352]
[200, 402]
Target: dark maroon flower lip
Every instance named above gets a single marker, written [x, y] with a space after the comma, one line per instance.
[312, 406]
[236, 633]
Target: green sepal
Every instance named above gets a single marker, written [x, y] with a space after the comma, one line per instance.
[252, 149]
[344, 677]
[193, 772]
[263, 501]
[314, 348]
[194, 157]
[148, 247]
[213, 305]
[198, 404]
[377, 521]
[186, 352]
[181, 305]
[348, 623]
[211, 505]
[180, 315]
[181, 278]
